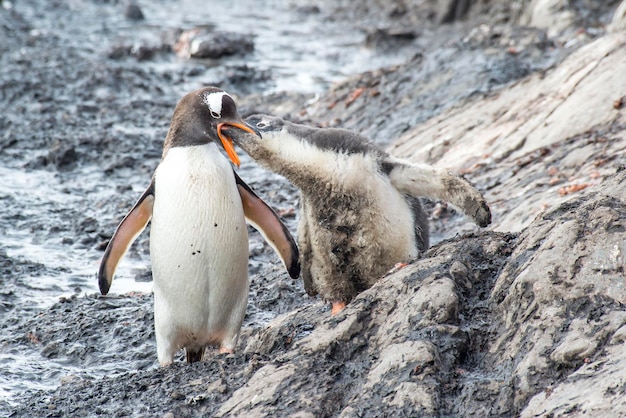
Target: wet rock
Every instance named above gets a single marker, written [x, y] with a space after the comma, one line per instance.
[15, 268]
[453, 10]
[385, 39]
[524, 323]
[119, 52]
[459, 272]
[405, 360]
[88, 225]
[51, 350]
[16, 274]
[566, 20]
[200, 43]
[244, 79]
[384, 104]
[63, 155]
[125, 161]
[140, 52]
[571, 309]
[308, 9]
[133, 12]
[554, 15]
[537, 144]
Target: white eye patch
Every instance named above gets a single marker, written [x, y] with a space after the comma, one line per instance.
[214, 102]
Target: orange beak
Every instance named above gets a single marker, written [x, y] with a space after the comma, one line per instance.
[227, 143]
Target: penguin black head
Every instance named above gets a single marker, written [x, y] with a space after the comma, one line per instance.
[200, 117]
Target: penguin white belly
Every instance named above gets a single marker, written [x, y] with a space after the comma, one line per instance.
[199, 252]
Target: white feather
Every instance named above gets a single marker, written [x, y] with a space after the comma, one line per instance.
[199, 251]
[214, 102]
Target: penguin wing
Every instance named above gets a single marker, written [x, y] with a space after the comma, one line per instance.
[428, 181]
[131, 226]
[265, 220]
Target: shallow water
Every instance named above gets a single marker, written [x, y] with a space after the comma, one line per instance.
[38, 194]
[303, 53]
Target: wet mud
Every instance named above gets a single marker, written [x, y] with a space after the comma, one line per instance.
[87, 89]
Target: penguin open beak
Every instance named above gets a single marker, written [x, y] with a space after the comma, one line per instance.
[227, 143]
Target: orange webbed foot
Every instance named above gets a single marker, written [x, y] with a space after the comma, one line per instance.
[224, 350]
[337, 307]
[397, 267]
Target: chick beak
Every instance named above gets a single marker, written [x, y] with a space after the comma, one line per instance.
[227, 143]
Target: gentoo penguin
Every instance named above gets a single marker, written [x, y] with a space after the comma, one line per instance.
[359, 207]
[198, 235]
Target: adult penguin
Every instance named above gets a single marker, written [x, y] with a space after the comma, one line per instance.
[359, 208]
[198, 237]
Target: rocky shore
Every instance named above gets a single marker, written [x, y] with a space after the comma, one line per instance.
[526, 99]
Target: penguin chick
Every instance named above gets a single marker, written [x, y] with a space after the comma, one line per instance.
[198, 238]
[359, 208]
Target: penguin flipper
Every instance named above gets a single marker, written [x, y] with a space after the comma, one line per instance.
[131, 226]
[428, 181]
[265, 220]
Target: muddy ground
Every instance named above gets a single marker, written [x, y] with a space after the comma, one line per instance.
[522, 319]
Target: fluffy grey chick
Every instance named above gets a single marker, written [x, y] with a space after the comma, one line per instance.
[360, 212]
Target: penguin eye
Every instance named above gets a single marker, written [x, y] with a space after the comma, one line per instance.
[262, 125]
[215, 114]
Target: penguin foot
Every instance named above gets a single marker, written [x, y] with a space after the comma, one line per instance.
[337, 307]
[225, 350]
[397, 267]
